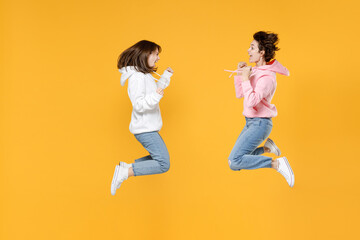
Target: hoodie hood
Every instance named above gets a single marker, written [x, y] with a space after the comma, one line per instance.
[276, 67]
[126, 73]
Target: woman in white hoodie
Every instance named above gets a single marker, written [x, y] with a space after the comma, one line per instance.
[137, 64]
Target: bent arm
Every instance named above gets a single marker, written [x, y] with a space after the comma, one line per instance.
[140, 100]
[238, 88]
[262, 89]
[164, 80]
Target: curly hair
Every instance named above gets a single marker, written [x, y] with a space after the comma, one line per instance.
[267, 42]
[137, 56]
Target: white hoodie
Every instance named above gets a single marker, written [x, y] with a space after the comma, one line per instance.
[145, 116]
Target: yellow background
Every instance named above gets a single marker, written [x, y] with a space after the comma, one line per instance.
[64, 121]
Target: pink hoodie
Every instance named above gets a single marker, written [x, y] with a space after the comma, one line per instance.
[259, 91]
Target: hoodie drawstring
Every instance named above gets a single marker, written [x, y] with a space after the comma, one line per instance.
[232, 72]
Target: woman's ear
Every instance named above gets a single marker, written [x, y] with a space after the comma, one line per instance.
[262, 53]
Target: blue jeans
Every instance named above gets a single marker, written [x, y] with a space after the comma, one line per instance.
[246, 154]
[158, 161]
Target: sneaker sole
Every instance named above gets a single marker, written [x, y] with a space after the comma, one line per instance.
[271, 142]
[113, 182]
[291, 171]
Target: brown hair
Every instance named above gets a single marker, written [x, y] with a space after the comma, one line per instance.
[267, 42]
[137, 56]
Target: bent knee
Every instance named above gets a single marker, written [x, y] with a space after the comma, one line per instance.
[232, 167]
[165, 167]
[165, 164]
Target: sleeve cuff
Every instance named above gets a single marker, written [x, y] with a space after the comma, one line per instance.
[158, 96]
[167, 74]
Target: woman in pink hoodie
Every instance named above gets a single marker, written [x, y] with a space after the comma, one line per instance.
[257, 86]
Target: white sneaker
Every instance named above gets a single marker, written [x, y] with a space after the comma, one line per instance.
[128, 165]
[285, 170]
[272, 146]
[121, 174]
[113, 182]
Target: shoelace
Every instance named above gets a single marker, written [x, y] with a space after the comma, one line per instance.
[121, 172]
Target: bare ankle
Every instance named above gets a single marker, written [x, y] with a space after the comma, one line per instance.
[267, 150]
[130, 172]
[275, 164]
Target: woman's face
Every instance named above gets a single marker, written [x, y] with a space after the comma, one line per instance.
[253, 51]
[153, 58]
